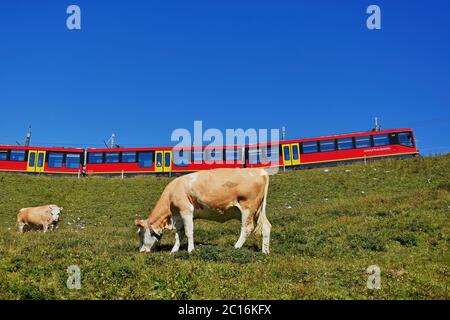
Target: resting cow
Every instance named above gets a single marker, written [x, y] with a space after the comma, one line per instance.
[219, 195]
[45, 216]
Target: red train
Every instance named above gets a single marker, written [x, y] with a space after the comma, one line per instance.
[299, 153]
[41, 159]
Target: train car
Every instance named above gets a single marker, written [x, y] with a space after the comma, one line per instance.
[189, 159]
[264, 155]
[128, 160]
[163, 160]
[349, 147]
[41, 159]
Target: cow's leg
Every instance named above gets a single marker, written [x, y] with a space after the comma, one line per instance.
[178, 223]
[178, 238]
[188, 221]
[20, 226]
[266, 235]
[246, 228]
[45, 227]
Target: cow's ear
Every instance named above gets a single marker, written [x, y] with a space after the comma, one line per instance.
[140, 223]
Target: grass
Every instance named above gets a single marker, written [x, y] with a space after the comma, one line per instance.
[328, 227]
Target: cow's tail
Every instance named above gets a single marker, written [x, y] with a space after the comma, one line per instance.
[260, 217]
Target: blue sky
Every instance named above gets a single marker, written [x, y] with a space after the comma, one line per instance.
[144, 68]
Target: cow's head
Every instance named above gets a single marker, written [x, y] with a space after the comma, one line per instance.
[147, 236]
[55, 211]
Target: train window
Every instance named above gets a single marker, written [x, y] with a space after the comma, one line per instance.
[159, 159]
[233, 154]
[128, 157]
[268, 155]
[32, 159]
[3, 154]
[55, 160]
[393, 138]
[264, 155]
[327, 145]
[287, 153]
[181, 157]
[345, 143]
[146, 159]
[294, 152]
[17, 155]
[111, 157]
[167, 159]
[380, 140]
[229, 155]
[210, 154]
[197, 156]
[253, 156]
[41, 158]
[95, 157]
[309, 147]
[73, 160]
[405, 138]
[362, 142]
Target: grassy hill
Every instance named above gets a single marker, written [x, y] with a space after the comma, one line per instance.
[329, 225]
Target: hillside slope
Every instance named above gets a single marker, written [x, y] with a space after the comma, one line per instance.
[329, 225]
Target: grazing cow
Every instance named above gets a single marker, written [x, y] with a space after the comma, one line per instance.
[219, 195]
[45, 216]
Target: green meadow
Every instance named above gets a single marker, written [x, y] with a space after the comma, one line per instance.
[328, 226]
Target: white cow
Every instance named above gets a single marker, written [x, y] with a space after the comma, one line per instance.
[219, 195]
[45, 216]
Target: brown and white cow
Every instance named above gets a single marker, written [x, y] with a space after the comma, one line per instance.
[219, 195]
[45, 216]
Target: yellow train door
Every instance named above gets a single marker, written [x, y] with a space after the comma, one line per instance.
[287, 158]
[36, 161]
[31, 164]
[167, 161]
[40, 161]
[291, 154]
[159, 167]
[295, 151]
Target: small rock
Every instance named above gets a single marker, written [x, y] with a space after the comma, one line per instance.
[348, 170]
[326, 170]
